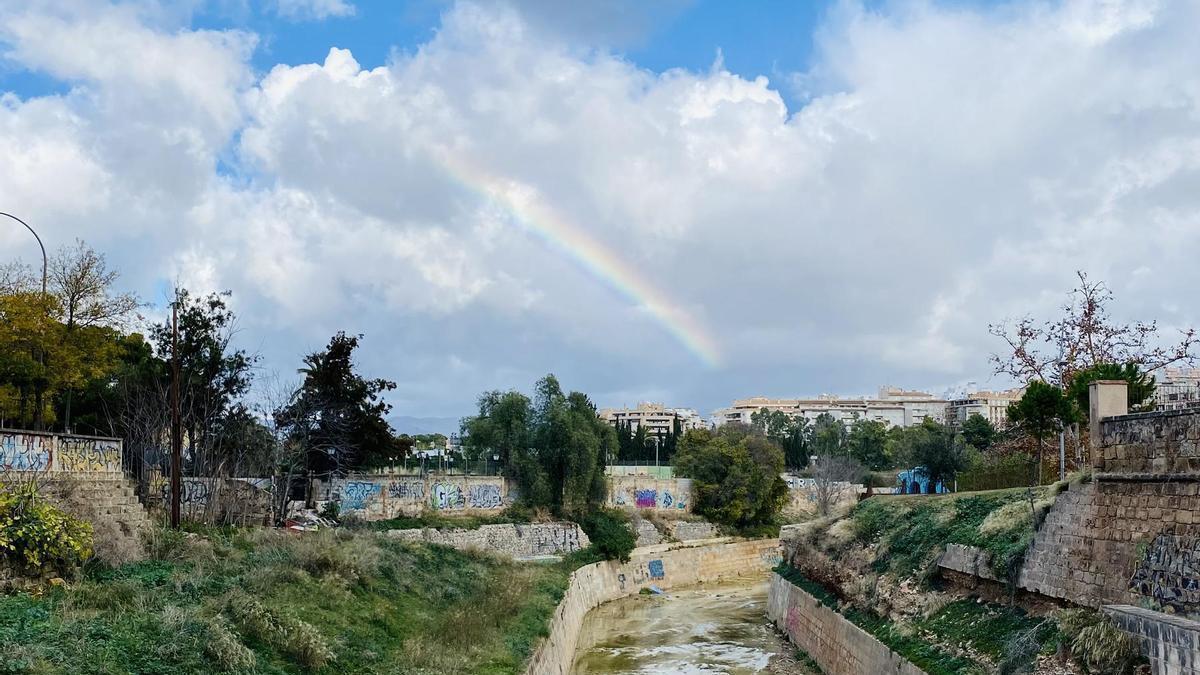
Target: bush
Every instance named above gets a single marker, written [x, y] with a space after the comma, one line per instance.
[294, 636]
[1097, 643]
[34, 533]
[330, 511]
[610, 533]
[998, 473]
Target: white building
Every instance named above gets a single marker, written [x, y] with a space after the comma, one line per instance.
[992, 405]
[896, 407]
[1177, 388]
[658, 419]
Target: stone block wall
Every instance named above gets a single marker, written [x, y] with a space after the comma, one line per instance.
[1165, 442]
[665, 566]
[836, 644]
[646, 492]
[110, 504]
[375, 497]
[211, 499]
[515, 541]
[28, 451]
[1170, 643]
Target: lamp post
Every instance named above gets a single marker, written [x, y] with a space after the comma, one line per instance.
[45, 260]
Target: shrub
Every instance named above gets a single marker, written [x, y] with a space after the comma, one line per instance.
[610, 533]
[290, 634]
[1097, 643]
[330, 511]
[35, 533]
[225, 649]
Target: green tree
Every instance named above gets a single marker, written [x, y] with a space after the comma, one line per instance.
[791, 432]
[502, 427]
[934, 446]
[1042, 411]
[735, 475]
[979, 432]
[345, 410]
[867, 444]
[828, 436]
[1141, 385]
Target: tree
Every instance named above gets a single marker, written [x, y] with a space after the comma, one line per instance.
[867, 444]
[1085, 336]
[1141, 385]
[833, 476]
[828, 435]
[213, 375]
[735, 475]
[80, 277]
[791, 432]
[1042, 411]
[935, 447]
[979, 432]
[344, 410]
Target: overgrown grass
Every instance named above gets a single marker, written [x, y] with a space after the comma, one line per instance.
[912, 530]
[269, 602]
[439, 520]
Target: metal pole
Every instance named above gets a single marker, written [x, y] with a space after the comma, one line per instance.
[1062, 455]
[45, 260]
[176, 426]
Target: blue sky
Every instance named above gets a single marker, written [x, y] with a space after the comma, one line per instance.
[529, 190]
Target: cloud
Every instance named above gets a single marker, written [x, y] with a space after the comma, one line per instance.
[313, 10]
[951, 167]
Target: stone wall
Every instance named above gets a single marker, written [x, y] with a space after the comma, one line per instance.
[836, 644]
[1161, 443]
[110, 503]
[210, 499]
[1170, 643]
[518, 541]
[28, 451]
[374, 497]
[665, 566]
[646, 492]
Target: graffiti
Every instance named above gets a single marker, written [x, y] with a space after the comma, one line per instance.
[656, 569]
[621, 580]
[619, 498]
[646, 499]
[554, 540]
[194, 493]
[88, 454]
[357, 493]
[484, 496]
[1168, 572]
[20, 452]
[771, 558]
[447, 496]
[413, 490]
[666, 500]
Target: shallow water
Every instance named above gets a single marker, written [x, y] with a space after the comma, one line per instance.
[702, 629]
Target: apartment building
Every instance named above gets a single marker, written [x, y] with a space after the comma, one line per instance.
[992, 405]
[1177, 388]
[655, 417]
[896, 407]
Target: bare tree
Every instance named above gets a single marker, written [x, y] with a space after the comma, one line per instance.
[833, 478]
[1085, 336]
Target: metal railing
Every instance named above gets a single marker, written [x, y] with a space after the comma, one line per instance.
[1176, 396]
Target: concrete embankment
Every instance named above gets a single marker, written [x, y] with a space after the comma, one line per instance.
[830, 639]
[664, 566]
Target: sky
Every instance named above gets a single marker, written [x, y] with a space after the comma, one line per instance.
[690, 203]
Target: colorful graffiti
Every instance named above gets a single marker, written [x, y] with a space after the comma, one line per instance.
[25, 452]
[645, 499]
[554, 540]
[485, 496]
[88, 454]
[357, 493]
[447, 496]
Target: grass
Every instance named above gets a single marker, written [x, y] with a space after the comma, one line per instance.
[268, 602]
[913, 529]
[438, 520]
[986, 628]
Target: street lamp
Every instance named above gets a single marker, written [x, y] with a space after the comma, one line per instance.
[45, 260]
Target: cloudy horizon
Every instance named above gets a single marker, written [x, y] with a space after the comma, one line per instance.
[653, 205]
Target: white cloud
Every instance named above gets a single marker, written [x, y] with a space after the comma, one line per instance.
[313, 10]
[951, 168]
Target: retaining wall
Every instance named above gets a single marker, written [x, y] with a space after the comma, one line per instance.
[1170, 643]
[665, 566]
[836, 644]
[515, 541]
[29, 451]
[647, 492]
[382, 497]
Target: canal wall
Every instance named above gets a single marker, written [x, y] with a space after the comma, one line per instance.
[836, 644]
[664, 566]
[518, 541]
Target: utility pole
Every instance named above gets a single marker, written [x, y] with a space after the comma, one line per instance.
[176, 427]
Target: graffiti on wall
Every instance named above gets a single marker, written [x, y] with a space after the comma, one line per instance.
[645, 499]
[554, 540]
[88, 454]
[24, 452]
[412, 490]
[356, 494]
[194, 493]
[1168, 572]
[656, 569]
[485, 496]
[447, 496]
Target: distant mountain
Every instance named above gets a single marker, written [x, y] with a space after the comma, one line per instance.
[424, 425]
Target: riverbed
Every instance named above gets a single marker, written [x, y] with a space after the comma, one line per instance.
[715, 628]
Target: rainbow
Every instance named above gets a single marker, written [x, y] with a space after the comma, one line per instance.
[527, 207]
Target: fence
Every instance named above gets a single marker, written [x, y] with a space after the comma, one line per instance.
[640, 468]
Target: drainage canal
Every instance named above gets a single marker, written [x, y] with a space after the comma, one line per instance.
[713, 628]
